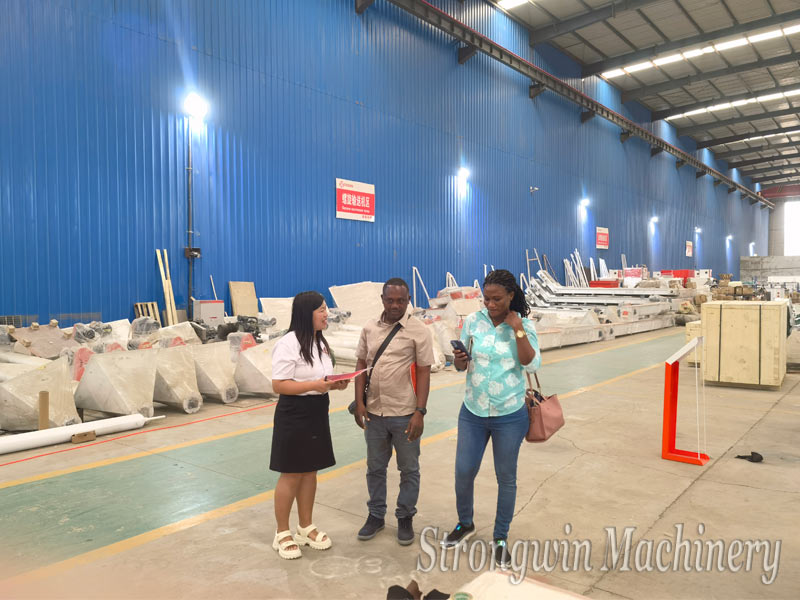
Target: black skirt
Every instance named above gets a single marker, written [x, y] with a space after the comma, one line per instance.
[301, 437]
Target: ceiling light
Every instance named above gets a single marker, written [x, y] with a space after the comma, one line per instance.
[791, 30]
[769, 97]
[765, 36]
[691, 113]
[698, 230]
[463, 173]
[791, 93]
[614, 73]
[692, 53]
[639, 67]
[668, 59]
[673, 117]
[585, 202]
[719, 106]
[730, 44]
[729, 238]
[506, 4]
[195, 106]
[742, 102]
[654, 219]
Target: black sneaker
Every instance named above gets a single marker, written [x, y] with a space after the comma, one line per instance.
[459, 535]
[405, 531]
[502, 559]
[370, 528]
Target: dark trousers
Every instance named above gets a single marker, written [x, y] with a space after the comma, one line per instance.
[382, 434]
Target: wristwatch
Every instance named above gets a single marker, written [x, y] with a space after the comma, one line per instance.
[520, 333]
[424, 411]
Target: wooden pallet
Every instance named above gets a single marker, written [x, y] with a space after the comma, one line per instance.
[147, 309]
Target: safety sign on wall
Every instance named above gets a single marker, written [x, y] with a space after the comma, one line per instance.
[689, 248]
[355, 200]
[602, 238]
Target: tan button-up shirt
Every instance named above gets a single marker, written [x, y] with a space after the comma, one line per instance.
[391, 393]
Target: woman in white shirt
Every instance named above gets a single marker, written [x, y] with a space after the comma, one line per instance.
[301, 437]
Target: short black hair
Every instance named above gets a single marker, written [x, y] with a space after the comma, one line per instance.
[394, 281]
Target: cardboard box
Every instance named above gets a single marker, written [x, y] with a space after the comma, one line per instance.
[724, 282]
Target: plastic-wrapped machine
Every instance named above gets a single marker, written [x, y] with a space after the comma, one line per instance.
[215, 371]
[19, 397]
[176, 379]
[141, 331]
[5, 335]
[174, 335]
[119, 383]
[253, 373]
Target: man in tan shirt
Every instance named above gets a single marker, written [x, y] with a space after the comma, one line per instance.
[393, 414]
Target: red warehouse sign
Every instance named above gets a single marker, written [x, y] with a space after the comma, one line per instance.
[601, 240]
[355, 200]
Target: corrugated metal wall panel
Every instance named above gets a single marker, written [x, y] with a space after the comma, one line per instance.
[93, 151]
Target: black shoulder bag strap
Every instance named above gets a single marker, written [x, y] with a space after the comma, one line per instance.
[385, 343]
[352, 407]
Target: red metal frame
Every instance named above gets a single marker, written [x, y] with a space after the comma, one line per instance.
[669, 429]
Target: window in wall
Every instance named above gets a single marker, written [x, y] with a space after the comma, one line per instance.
[791, 225]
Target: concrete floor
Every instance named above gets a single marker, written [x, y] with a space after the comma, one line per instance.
[173, 512]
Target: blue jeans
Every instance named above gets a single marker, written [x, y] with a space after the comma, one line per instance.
[383, 433]
[507, 433]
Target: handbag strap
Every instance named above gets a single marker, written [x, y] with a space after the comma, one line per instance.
[530, 383]
[385, 343]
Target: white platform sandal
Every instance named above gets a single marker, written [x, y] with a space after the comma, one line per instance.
[303, 539]
[280, 544]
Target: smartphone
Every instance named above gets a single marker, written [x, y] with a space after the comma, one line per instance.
[459, 345]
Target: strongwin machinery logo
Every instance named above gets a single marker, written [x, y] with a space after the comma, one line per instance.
[620, 552]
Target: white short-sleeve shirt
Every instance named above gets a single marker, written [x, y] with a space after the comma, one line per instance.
[288, 363]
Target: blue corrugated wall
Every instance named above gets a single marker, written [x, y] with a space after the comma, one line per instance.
[93, 151]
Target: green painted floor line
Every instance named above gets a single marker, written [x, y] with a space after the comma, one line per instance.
[54, 519]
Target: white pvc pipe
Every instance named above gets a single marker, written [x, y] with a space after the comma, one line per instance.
[60, 435]
[23, 359]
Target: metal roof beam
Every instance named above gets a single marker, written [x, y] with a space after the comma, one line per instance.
[679, 110]
[642, 55]
[454, 28]
[766, 147]
[760, 160]
[746, 136]
[660, 88]
[692, 130]
[769, 169]
[362, 5]
[553, 30]
[776, 178]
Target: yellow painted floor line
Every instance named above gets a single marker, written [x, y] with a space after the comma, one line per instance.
[144, 538]
[119, 459]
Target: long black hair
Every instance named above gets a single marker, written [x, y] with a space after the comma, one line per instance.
[505, 279]
[302, 323]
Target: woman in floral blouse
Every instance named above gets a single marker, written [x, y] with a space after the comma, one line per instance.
[503, 345]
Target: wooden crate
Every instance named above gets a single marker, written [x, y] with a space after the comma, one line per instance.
[745, 342]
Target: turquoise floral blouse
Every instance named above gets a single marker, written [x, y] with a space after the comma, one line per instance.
[496, 380]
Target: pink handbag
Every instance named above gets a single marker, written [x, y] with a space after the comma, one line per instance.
[544, 413]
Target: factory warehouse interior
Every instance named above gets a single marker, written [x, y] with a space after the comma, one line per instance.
[402, 299]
